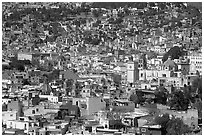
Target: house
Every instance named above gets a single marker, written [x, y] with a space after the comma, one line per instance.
[17, 78]
[123, 105]
[190, 78]
[175, 81]
[89, 105]
[183, 65]
[38, 110]
[9, 115]
[25, 56]
[169, 64]
[6, 101]
[15, 106]
[72, 111]
[21, 124]
[152, 74]
[34, 77]
[195, 61]
[13, 132]
[86, 91]
[149, 129]
[149, 85]
[52, 98]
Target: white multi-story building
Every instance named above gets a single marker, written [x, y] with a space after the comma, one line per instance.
[195, 61]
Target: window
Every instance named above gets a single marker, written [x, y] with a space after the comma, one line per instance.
[72, 112]
[37, 109]
[11, 115]
[163, 75]
[141, 74]
[192, 118]
[22, 119]
[143, 129]
[106, 126]
[33, 111]
[25, 127]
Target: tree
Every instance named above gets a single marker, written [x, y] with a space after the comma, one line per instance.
[197, 86]
[161, 95]
[162, 120]
[178, 101]
[134, 99]
[171, 125]
[138, 97]
[26, 82]
[65, 129]
[96, 13]
[17, 65]
[175, 126]
[174, 52]
[188, 93]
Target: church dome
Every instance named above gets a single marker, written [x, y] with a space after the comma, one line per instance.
[169, 64]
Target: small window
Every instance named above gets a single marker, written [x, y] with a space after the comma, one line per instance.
[25, 127]
[33, 111]
[72, 112]
[11, 115]
[163, 75]
[106, 126]
[143, 129]
[37, 109]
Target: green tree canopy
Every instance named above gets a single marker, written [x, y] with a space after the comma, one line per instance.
[175, 126]
[161, 95]
[174, 52]
[178, 101]
[171, 125]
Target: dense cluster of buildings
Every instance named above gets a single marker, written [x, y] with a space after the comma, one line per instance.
[83, 70]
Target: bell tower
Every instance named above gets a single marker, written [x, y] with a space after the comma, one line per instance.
[132, 72]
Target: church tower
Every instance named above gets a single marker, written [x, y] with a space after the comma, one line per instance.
[132, 72]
